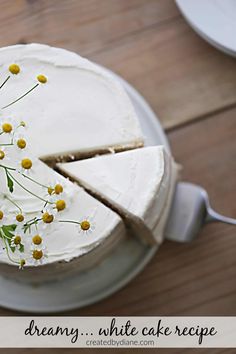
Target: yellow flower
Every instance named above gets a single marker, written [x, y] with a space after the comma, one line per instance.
[21, 143]
[26, 164]
[85, 225]
[2, 154]
[42, 79]
[58, 188]
[17, 240]
[37, 239]
[20, 217]
[14, 69]
[50, 190]
[1, 214]
[22, 124]
[37, 254]
[7, 128]
[47, 218]
[60, 205]
[22, 263]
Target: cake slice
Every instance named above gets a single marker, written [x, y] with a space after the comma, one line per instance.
[68, 248]
[137, 184]
[80, 111]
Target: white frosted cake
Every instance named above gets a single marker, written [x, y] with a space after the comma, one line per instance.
[81, 110]
[64, 242]
[137, 184]
[57, 106]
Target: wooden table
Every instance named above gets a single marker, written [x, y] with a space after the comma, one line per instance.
[192, 88]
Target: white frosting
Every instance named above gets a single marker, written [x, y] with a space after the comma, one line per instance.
[137, 183]
[80, 109]
[65, 242]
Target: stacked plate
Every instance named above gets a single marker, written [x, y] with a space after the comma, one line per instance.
[213, 20]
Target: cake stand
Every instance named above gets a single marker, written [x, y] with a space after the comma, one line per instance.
[114, 272]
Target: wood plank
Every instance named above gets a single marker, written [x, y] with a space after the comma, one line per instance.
[180, 75]
[82, 26]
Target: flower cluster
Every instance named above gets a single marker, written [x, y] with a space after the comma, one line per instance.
[23, 237]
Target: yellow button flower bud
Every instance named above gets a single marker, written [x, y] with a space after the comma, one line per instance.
[37, 254]
[50, 190]
[21, 143]
[14, 69]
[58, 188]
[7, 128]
[42, 79]
[37, 239]
[2, 154]
[85, 225]
[60, 205]
[20, 217]
[17, 240]
[22, 263]
[47, 218]
[26, 164]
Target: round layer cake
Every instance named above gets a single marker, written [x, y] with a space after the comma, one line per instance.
[58, 107]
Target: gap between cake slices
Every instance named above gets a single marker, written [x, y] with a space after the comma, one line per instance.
[53, 160]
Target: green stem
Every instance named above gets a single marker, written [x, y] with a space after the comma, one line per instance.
[7, 250]
[23, 187]
[31, 222]
[6, 144]
[8, 168]
[24, 175]
[33, 180]
[33, 219]
[70, 221]
[14, 203]
[22, 96]
[4, 82]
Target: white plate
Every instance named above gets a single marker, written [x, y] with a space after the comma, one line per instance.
[213, 20]
[112, 274]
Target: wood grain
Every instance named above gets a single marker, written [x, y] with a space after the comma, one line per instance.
[180, 75]
[82, 26]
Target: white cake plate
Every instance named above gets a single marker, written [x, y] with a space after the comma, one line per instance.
[118, 269]
[213, 20]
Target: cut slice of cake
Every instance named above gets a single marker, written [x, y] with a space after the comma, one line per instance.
[137, 184]
[80, 110]
[69, 249]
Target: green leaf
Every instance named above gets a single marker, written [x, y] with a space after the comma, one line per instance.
[12, 248]
[22, 248]
[11, 227]
[8, 230]
[10, 183]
